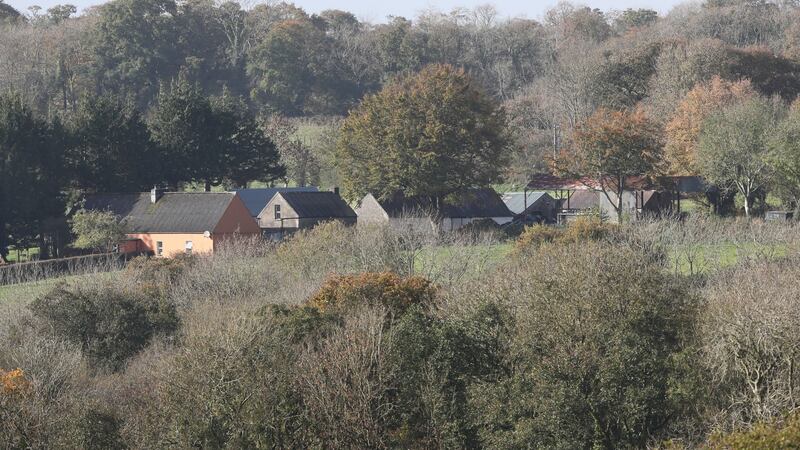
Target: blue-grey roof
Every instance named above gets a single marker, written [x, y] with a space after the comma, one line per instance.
[256, 199]
[516, 200]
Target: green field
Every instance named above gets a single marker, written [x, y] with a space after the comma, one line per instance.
[26, 292]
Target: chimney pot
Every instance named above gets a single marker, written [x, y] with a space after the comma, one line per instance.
[156, 193]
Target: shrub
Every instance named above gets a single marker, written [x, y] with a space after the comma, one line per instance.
[591, 362]
[763, 436]
[749, 336]
[581, 229]
[110, 324]
[385, 288]
[13, 382]
[586, 229]
[536, 235]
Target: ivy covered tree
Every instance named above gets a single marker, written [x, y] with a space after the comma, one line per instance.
[784, 157]
[428, 134]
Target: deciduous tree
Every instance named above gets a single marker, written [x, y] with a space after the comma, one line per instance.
[610, 147]
[683, 130]
[732, 152]
[429, 134]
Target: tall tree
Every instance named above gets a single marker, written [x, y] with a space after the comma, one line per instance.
[211, 142]
[784, 156]
[250, 155]
[733, 152]
[429, 134]
[135, 47]
[611, 146]
[284, 66]
[183, 124]
[111, 148]
[31, 166]
[683, 129]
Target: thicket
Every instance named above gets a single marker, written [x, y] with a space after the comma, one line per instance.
[334, 338]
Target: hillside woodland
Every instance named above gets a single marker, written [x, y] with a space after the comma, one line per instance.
[200, 94]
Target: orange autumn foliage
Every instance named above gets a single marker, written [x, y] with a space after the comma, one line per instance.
[13, 381]
[384, 288]
[683, 129]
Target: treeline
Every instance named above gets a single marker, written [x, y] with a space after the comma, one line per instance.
[592, 336]
[107, 146]
[550, 73]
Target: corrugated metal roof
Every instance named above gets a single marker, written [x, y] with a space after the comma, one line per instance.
[174, 212]
[256, 199]
[318, 205]
[684, 184]
[515, 201]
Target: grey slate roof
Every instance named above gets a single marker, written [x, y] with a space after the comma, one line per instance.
[467, 204]
[515, 201]
[256, 199]
[318, 205]
[175, 212]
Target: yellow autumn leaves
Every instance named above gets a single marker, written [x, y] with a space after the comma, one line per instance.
[13, 382]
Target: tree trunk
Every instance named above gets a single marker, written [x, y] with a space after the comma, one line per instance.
[208, 186]
[620, 193]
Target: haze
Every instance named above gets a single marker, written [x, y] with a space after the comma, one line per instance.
[377, 11]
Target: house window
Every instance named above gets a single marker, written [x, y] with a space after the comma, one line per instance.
[189, 246]
[277, 212]
[159, 248]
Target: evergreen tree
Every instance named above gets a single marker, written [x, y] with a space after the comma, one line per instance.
[111, 148]
[31, 165]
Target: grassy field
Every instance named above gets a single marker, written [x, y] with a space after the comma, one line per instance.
[26, 292]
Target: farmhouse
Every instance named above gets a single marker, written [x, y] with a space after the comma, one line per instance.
[451, 213]
[291, 211]
[531, 206]
[170, 223]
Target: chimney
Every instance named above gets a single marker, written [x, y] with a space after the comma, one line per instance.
[336, 190]
[156, 193]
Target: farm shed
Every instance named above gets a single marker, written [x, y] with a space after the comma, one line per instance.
[531, 206]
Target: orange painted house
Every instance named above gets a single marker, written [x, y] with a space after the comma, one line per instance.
[170, 223]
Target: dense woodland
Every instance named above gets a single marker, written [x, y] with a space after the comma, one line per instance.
[197, 94]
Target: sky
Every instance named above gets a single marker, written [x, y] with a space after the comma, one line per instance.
[378, 10]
